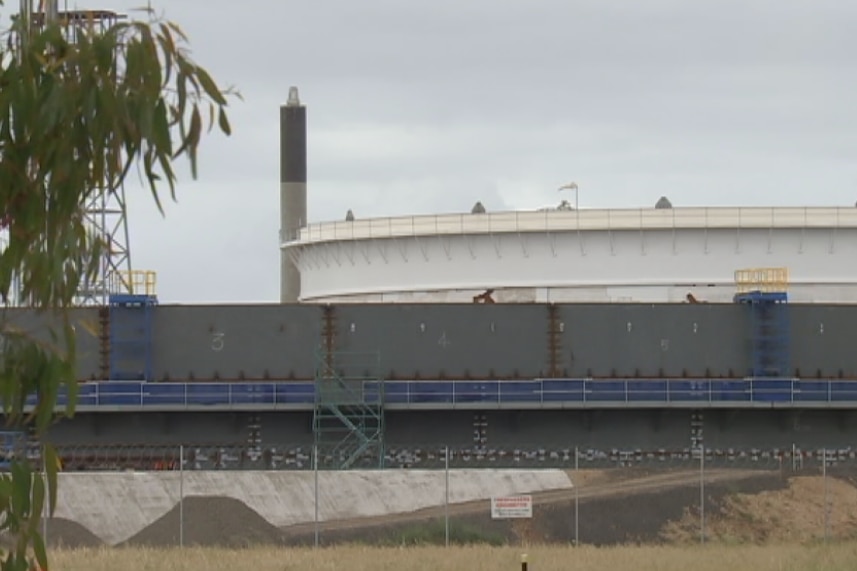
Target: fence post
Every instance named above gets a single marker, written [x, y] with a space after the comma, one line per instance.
[576, 497]
[315, 476]
[446, 497]
[824, 478]
[702, 493]
[46, 510]
[181, 495]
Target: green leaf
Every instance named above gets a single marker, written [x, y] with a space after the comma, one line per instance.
[38, 503]
[209, 86]
[224, 122]
[40, 552]
[162, 129]
[20, 489]
[52, 468]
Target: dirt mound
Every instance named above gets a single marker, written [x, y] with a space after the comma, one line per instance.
[620, 516]
[69, 534]
[209, 521]
[793, 514]
[63, 533]
[640, 517]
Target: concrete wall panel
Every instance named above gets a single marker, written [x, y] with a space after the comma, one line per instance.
[228, 342]
[433, 341]
[85, 322]
[629, 340]
[460, 340]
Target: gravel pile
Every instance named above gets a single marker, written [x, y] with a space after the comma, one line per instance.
[63, 533]
[209, 521]
[68, 534]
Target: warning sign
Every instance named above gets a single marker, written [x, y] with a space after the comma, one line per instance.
[512, 507]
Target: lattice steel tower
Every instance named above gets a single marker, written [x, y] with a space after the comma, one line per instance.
[105, 211]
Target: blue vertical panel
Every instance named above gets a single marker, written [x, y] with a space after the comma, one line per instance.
[120, 393]
[843, 391]
[651, 391]
[811, 391]
[696, 390]
[731, 391]
[201, 394]
[164, 394]
[606, 391]
[520, 391]
[769, 332]
[295, 392]
[772, 390]
[476, 391]
[396, 392]
[131, 337]
[434, 392]
[87, 395]
[563, 390]
[251, 393]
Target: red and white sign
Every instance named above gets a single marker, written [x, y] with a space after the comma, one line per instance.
[511, 507]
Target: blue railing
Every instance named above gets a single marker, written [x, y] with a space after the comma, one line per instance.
[554, 393]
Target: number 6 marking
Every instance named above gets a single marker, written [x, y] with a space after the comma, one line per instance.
[217, 341]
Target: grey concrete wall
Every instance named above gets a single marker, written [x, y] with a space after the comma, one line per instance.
[480, 341]
[824, 340]
[604, 430]
[86, 324]
[452, 341]
[190, 428]
[231, 342]
[629, 340]
[626, 430]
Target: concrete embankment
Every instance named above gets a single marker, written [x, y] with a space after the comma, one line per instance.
[116, 505]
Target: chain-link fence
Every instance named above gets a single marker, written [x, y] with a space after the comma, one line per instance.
[240, 456]
[449, 495]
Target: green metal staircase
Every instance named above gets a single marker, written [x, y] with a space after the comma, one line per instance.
[348, 420]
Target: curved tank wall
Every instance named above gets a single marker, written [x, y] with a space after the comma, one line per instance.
[591, 256]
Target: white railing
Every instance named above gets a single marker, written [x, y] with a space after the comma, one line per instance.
[581, 392]
[578, 220]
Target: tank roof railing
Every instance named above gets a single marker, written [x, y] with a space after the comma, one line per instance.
[588, 220]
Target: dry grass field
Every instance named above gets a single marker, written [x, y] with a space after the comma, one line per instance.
[832, 557]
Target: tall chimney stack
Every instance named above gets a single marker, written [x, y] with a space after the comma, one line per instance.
[293, 211]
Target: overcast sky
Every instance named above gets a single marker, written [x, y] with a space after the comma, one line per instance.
[424, 107]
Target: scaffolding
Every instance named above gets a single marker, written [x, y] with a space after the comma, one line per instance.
[348, 420]
[764, 292]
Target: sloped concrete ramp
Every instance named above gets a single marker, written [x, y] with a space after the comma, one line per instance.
[116, 505]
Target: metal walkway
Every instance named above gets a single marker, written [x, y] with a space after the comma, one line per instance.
[108, 396]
